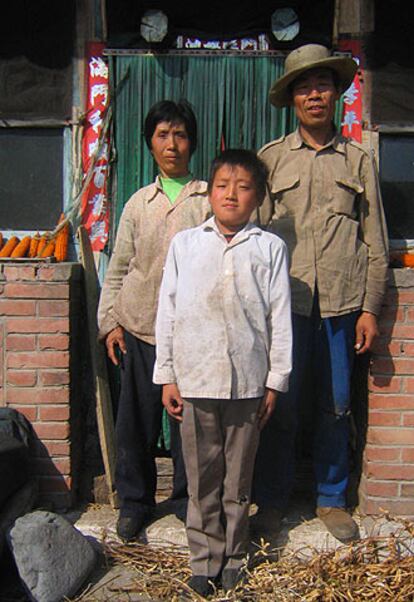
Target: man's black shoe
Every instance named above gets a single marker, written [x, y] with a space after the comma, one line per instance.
[128, 527]
[202, 585]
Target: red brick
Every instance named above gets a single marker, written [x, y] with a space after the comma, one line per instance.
[38, 325]
[41, 359]
[54, 377]
[407, 490]
[410, 314]
[396, 507]
[399, 330]
[395, 348]
[48, 466]
[380, 346]
[19, 342]
[56, 272]
[14, 272]
[54, 484]
[390, 402]
[36, 290]
[398, 297]
[407, 454]
[390, 472]
[385, 384]
[408, 348]
[382, 454]
[390, 436]
[381, 488]
[384, 418]
[10, 307]
[22, 378]
[53, 448]
[408, 420]
[38, 395]
[391, 313]
[52, 430]
[53, 308]
[29, 411]
[50, 413]
[408, 386]
[53, 341]
[392, 366]
[380, 365]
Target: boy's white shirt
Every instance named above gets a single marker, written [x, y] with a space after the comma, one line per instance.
[223, 327]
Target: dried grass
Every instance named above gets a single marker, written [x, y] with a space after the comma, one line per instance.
[375, 569]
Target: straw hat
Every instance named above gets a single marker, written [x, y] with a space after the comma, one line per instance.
[310, 56]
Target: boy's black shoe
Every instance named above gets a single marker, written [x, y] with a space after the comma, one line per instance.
[128, 527]
[231, 578]
[202, 585]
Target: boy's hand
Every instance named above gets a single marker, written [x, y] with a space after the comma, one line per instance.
[267, 407]
[172, 401]
[115, 339]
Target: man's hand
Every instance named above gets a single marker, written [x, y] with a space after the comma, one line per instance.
[267, 407]
[172, 401]
[115, 339]
[366, 330]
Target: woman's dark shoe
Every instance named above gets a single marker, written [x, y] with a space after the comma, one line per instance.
[128, 527]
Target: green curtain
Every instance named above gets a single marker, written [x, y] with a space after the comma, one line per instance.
[229, 95]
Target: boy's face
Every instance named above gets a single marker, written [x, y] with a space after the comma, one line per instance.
[233, 197]
[170, 147]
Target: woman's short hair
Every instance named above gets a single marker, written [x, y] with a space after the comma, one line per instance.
[171, 112]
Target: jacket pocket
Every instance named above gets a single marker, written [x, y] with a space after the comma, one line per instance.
[344, 194]
[284, 192]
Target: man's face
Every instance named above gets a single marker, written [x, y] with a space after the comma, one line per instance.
[170, 147]
[314, 95]
[233, 196]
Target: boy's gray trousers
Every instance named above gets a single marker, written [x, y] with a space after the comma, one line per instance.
[219, 439]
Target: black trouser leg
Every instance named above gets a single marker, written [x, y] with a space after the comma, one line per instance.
[138, 426]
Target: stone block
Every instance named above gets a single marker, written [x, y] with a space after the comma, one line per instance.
[52, 557]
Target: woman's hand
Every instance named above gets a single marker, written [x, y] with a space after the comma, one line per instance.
[115, 339]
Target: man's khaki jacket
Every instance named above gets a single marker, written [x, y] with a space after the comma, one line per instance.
[326, 205]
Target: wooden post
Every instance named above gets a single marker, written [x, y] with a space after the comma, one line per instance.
[104, 413]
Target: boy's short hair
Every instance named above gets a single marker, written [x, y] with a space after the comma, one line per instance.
[247, 159]
[171, 112]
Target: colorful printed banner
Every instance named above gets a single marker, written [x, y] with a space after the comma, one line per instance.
[352, 116]
[95, 150]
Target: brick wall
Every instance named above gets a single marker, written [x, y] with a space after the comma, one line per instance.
[39, 373]
[388, 467]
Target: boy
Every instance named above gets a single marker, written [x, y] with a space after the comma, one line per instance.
[223, 348]
[128, 306]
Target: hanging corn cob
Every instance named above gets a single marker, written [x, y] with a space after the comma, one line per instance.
[34, 243]
[7, 250]
[49, 249]
[22, 248]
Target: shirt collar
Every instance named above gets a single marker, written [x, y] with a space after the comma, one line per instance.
[337, 141]
[192, 187]
[248, 230]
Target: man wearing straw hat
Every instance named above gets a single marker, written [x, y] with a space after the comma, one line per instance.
[325, 204]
